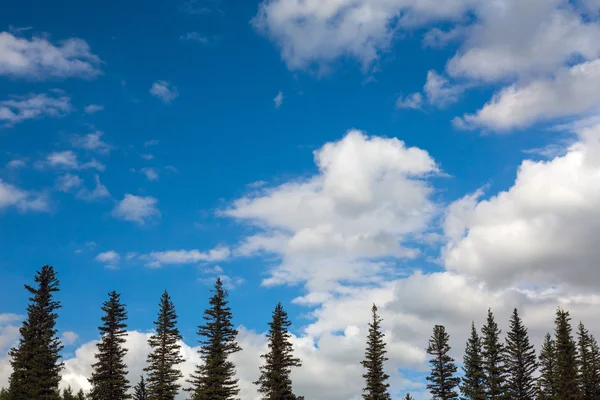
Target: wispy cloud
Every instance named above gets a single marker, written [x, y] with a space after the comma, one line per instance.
[21, 108]
[164, 91]
[68, 160]
[278, 100]
[93, 108]
[16, 163]
[150, 174]
[110, 258]
[100, 191]
[23, 200]
[158, 258]
[91, 141]
[152, 142]
[147, 156]
[67, 182]
[196, 37]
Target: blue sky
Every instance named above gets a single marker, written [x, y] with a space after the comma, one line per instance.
[324, 154]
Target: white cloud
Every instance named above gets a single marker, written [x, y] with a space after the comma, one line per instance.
[278, 100]
[68, 160]
[147, 156]
[12, 196]
[93, 108]
[69, 338]
[100, 191]
[150, 174]
[164, 91]
[158, 258]
[440, 92]
[33, 106]
[196, 37]
[540, 231]
[572, 91]
[152, 142]
[16, 163]
[92, 142]
[67, 182]
[110, 258]
[139, 209]
[413, 101]
[38, 58]
[369, 197]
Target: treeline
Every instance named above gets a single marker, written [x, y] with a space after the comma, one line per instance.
[566, 368]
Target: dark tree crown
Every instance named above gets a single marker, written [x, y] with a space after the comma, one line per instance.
[376, 387]
[442, 382]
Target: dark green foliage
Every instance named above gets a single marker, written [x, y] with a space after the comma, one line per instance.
[68, 394]
[547, 389]
[567, 382]
[215, 378]
[139, 390]
[443, 383]
[520, 361]
[375, 378]
[275, 382]
[164, 357]
[492, 355]
[80, 395]
[472, 387]
[589, 375]
[35, 361]
[4, 395]
[408, 397]
[109, 378]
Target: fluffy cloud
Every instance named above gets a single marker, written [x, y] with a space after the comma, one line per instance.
[540, 231]
[92, 142]
[93, 108]
[150, 174]
[67, 182]
[572, 91]
[158, 258]
[164, 91]
[139, 209]
[69, 338]
[369, 196]
[33, 106]
[38, 58]
[110, 258]
[100, 191]
[12, 196]
[414, 101]
[68, 160]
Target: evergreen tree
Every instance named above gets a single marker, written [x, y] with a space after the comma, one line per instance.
[547, 389]
[275, 382]
[442, 384]
[35, 361]
[408, 397]
[215, 378]
[4, 394]
[165, 356]
[492, 354]
[567, 382]
[588, 364]
[520, 361]
[139, 390]
[68, 394]
[472, 387]
[81, 395]
[109, 378]
[375, 377]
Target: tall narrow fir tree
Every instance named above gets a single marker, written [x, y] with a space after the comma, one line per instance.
[275, 382]
[109, 376]
[588, 364]
[567, 381]
[472, 387]
[547, 389]
[520, 362]
[493, 355]
[215, 378]
[36, 360]
[442, 382]
[139, 391]
[162, 370]
[376, 386]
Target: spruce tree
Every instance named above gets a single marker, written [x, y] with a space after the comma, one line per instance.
[520, 361]
[443, 383]
[547, 389]
[139, 390]
[408, 397]
[35, 361]
[4, 395]
[492, 355]
[109, 376]
[588, 364]
[81, 395]
[215, 378]
[275, 382]
[472, 387]
[567, 382]
[67, 394]
[376, 387]
[165, 355]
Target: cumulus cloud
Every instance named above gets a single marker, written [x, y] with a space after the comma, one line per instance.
[100, 191]
[68, 160]
[370, 196]
[67, 182]
[110, 258]
[139, 209]
[158, 258]
[413, 101]
[21, 108]
[23, 200]
[573, 91]
[164, 91]
[39, 58]
[92, 142]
